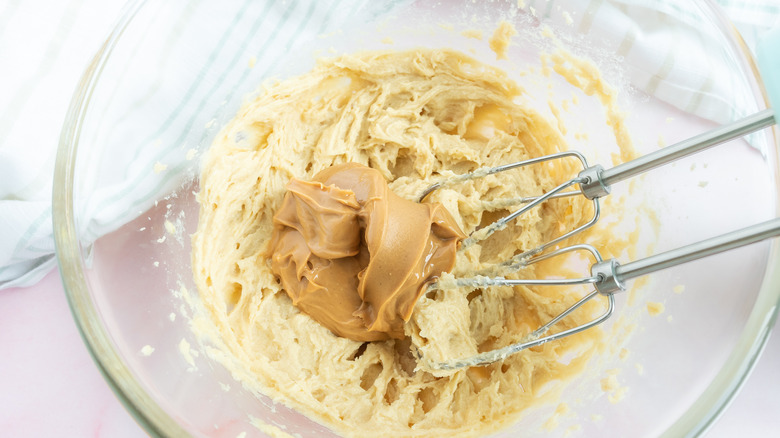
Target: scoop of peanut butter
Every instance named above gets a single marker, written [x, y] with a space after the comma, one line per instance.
[355, 256]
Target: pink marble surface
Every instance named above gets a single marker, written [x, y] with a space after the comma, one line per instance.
[49, 385]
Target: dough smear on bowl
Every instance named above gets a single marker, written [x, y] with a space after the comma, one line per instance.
[415, 117]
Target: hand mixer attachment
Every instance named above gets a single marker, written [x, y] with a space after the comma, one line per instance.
[606, 276]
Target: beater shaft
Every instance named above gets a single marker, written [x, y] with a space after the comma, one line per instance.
[606, 177]
[694, 251]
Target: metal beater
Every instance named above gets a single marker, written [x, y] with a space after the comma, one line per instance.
[606, 276]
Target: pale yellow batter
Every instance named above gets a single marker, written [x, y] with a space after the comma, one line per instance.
[415, 116]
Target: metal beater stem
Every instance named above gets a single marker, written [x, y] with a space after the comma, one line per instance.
[714, 137]
[694, 251]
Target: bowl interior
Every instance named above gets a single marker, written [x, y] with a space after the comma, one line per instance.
[173, 73]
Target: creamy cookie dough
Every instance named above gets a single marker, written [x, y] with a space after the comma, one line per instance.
[415, 117]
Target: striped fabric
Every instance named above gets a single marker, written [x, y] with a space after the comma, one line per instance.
[45, 46]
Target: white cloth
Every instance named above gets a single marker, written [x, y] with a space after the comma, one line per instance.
[44, 48]
[46, 45]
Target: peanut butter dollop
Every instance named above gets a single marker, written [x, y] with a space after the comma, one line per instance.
[355, 256]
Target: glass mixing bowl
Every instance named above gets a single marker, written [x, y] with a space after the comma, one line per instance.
[171, 73]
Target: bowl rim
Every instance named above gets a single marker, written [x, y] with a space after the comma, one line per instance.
[696, 420]
[147, 413]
